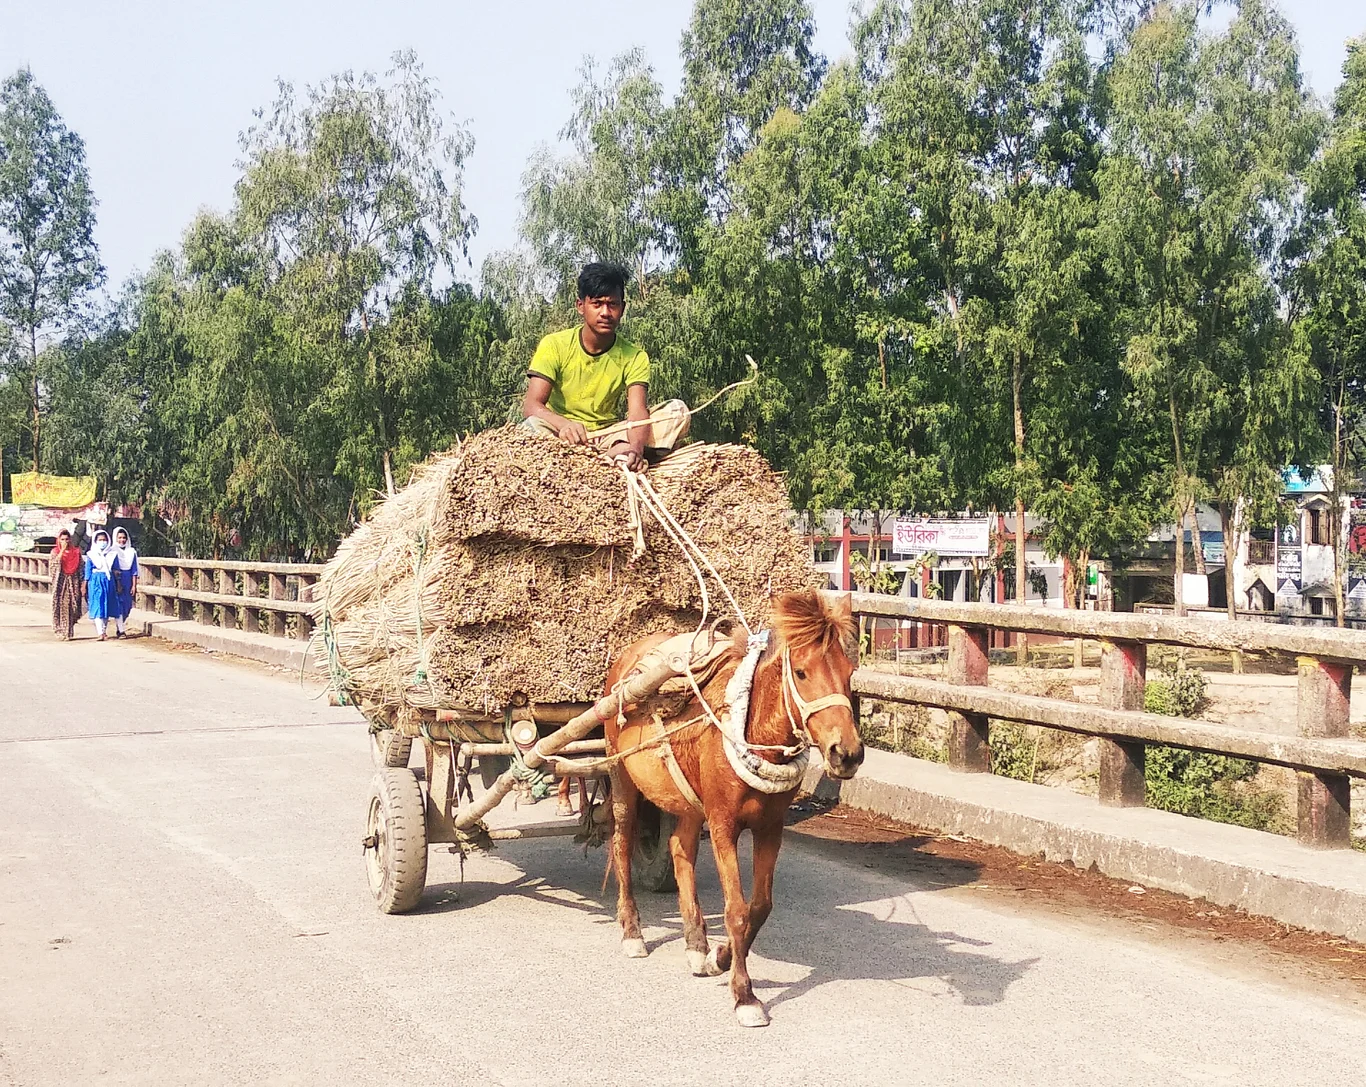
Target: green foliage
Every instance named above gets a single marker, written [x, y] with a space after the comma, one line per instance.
[980, 261]
[48, 259]
[1209, 786]
[902, 729]
[1210, 135]
[1196, 783]
[1014, 750]
[1177, 693]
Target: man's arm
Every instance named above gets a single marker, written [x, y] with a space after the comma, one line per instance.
[637, 437]
[534, 407]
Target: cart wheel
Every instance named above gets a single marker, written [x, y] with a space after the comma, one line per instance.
[652, 865]
[396, 839]
[389, 748]
[492, 767]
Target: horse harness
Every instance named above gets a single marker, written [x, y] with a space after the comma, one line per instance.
[761, 774]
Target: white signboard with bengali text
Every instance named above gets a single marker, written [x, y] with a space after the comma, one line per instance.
[968, 536]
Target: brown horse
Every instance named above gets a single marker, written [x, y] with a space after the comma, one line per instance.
[799, 698]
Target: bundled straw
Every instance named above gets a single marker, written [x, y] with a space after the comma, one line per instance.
[505, 568]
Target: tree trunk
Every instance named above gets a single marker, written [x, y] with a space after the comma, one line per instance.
[1078, 599]
[1021, 577]
[1197, 544]
[388, 474]
[1229, 522]
[1179, 571]
[379, 407]
[1179, 489]
[1335, 514]
[37, 424]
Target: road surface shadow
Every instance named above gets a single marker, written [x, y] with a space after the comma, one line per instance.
[861, 927]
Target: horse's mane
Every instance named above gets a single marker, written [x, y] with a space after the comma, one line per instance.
[808, 619]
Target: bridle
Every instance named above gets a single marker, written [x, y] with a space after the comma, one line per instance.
[806, 710]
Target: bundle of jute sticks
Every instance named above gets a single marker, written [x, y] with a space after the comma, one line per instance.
[516, 567]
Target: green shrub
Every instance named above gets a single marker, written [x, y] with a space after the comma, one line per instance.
[1216, 787]
[1209, 786]
[1176, 693]
[1014, 750]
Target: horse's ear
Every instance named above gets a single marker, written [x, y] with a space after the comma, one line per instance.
[840, 611]
[842, 608]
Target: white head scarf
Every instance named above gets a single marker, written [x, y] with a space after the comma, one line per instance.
[101, 554]
[125, 554]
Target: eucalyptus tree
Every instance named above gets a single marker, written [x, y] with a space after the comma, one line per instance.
[1330, 292]
[49, 262]
[1207, 133]
[599, 201]
[351, 200]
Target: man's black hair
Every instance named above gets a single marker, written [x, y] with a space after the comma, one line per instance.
[599, 280]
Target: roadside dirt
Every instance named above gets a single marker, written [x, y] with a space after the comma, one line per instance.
[1328, 964]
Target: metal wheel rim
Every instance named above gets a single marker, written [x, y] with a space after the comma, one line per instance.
[377, 857]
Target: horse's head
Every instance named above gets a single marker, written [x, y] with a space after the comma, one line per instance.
[813, 632]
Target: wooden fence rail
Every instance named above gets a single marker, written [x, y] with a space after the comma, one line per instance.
[1322, 755]
[266, 597]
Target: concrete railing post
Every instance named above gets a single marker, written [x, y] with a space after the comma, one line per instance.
[185, 608]
[227, 586]
[303, 629]
[1123, 679]
[277, 592]
[967, 666]
[205, 613]
[1323, 709]
[166, 577]
[251, 586]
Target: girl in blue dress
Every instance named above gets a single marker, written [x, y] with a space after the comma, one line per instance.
[124, 573]
[99, 565]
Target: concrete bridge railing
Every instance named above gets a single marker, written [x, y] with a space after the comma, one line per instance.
[261, 597]
[275, 599]
[1325, 759]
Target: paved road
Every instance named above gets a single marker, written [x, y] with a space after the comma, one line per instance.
[182, 900]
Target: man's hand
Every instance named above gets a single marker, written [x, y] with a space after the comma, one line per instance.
[627, 452]
[573, 432]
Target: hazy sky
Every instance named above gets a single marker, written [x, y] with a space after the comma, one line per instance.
[160, 90]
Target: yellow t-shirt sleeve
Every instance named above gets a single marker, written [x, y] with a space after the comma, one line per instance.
[638, 369]
[546, 361]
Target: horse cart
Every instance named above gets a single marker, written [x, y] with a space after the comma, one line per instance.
[410, 810]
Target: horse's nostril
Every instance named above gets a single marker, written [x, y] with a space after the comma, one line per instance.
[839, 755]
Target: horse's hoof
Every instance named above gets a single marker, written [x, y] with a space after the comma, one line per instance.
[634, 948]
[711, 965]
[751, 1015]
[697, 963]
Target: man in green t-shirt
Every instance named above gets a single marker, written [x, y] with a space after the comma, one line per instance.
[580, 379]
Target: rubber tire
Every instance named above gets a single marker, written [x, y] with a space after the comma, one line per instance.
[492, 767]
[652, 865]
[396, 815]
[389, 748]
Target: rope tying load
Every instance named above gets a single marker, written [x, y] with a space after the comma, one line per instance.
[516, 567]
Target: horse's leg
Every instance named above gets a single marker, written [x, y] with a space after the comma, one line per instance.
[768, 839]
[683, 846]
[625, 802]
[748, 1010]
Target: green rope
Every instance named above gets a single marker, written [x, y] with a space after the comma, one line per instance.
[538, 782]
[337, 675]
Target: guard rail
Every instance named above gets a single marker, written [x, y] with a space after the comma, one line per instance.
[1321, 752]
[264, 597]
